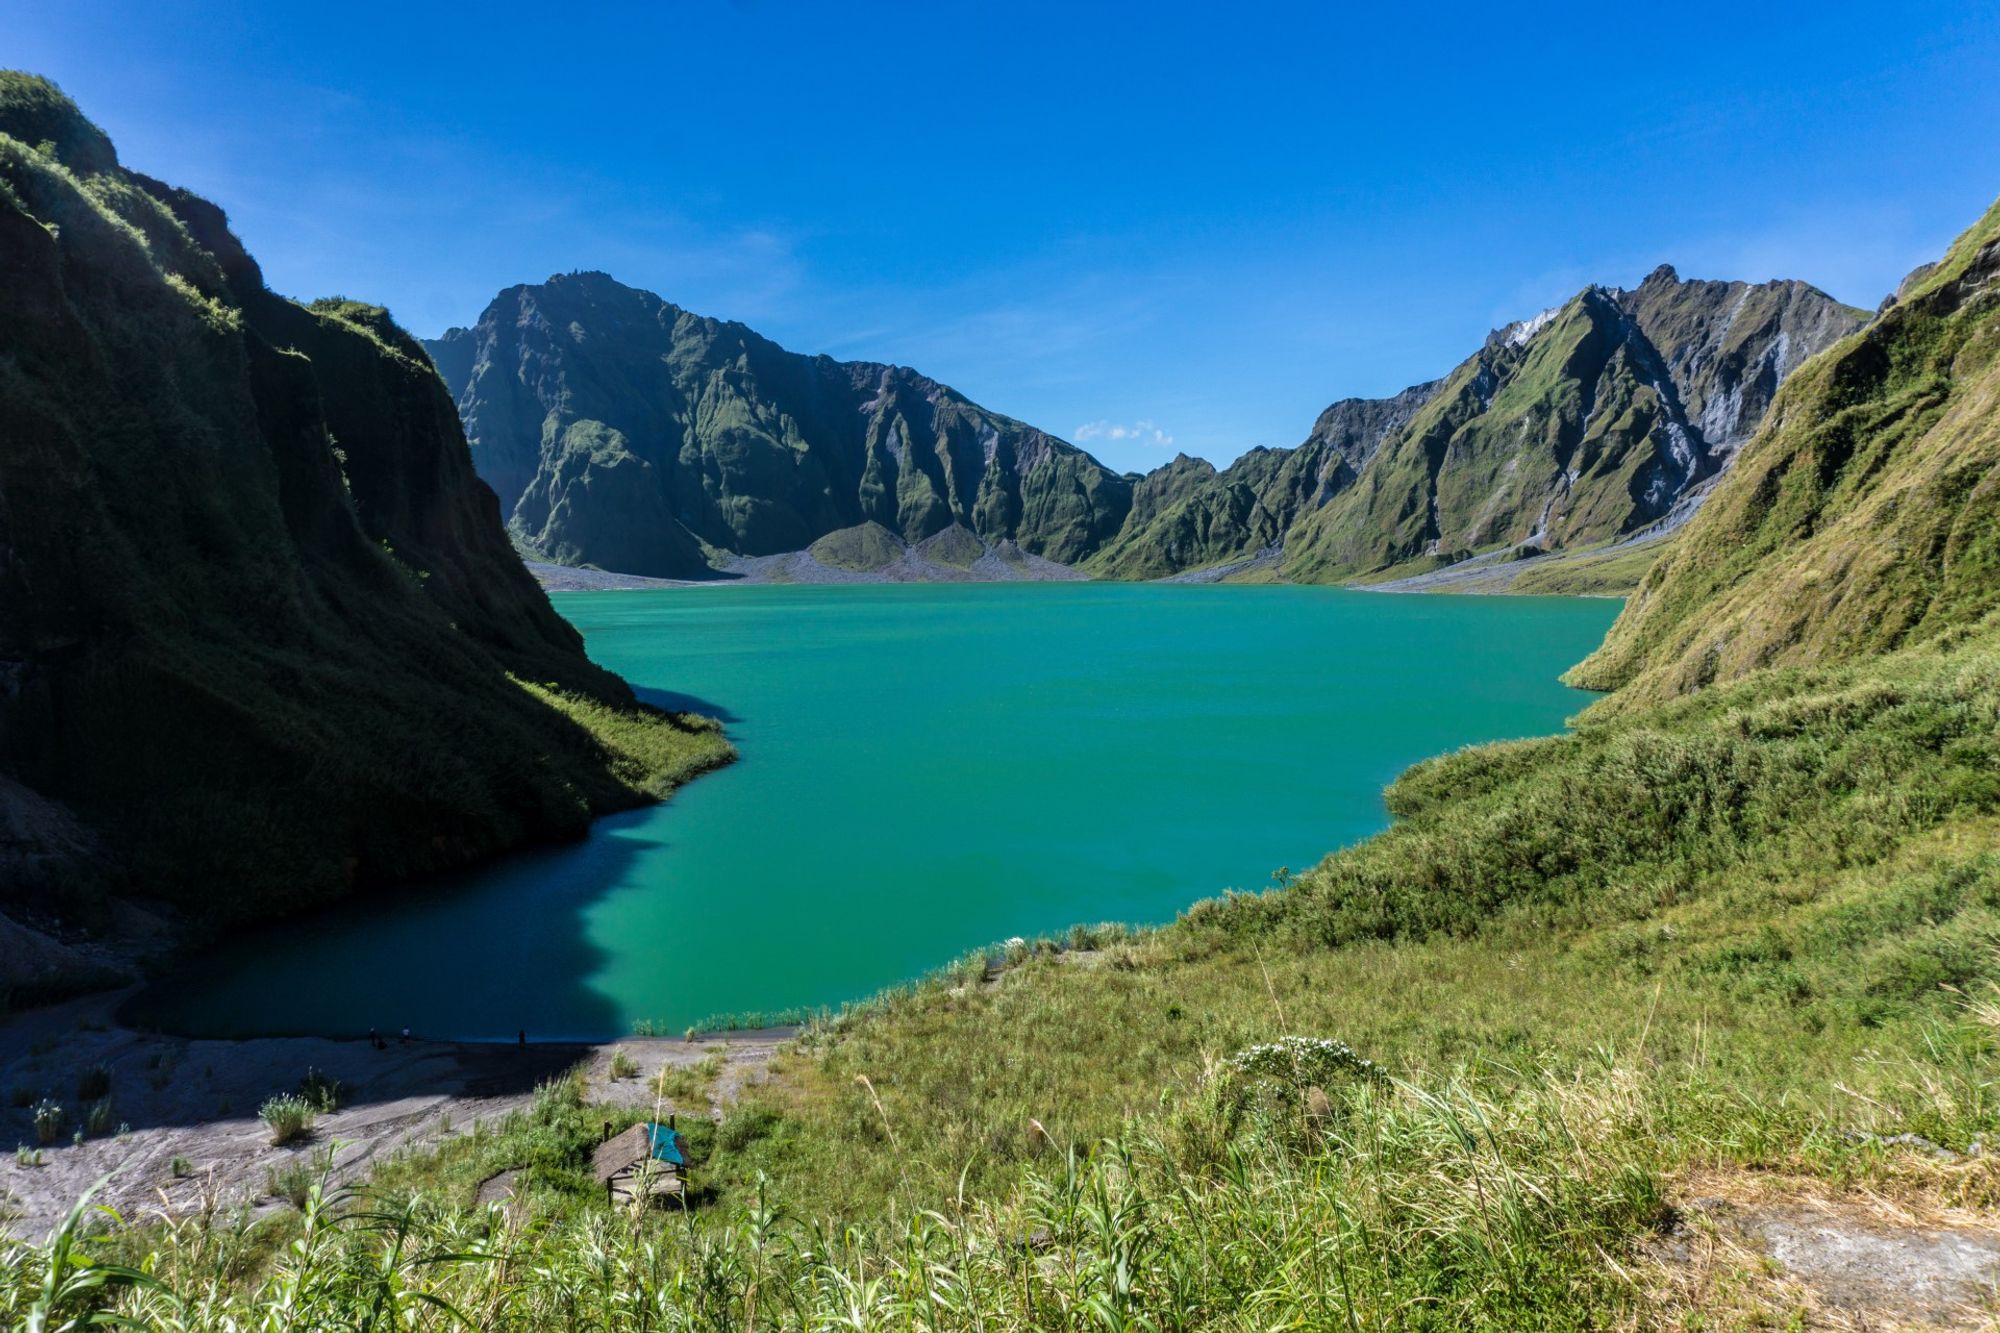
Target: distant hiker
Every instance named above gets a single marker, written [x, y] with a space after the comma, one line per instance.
[406, 1034]
[524, 1036]
[374, 1039]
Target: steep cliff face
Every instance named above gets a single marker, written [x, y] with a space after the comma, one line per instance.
[1863, 516]
[1727, 346]
[622, 431]
[259, 622]
[1581, 425]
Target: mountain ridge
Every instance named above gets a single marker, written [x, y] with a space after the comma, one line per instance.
[636, 436]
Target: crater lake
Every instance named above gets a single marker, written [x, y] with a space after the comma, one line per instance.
[924, 770]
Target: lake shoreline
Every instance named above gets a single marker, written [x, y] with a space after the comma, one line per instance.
[196, 1100]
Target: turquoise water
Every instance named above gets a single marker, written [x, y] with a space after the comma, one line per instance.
[925, 769]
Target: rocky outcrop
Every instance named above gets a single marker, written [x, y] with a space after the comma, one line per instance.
[1187, 515]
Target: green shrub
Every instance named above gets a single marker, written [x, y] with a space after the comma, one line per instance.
[289, 1116]
[93, 1083]
[745, 1126]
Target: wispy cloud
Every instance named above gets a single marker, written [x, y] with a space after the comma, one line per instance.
[1138, 432]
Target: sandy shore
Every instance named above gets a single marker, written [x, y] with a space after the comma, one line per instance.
[198, 1100]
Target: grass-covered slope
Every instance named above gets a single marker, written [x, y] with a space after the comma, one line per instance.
[1866, 514]
[259, 622]
[624, 432]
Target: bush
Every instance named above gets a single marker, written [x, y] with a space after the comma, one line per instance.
[623, 1065]
[94, 1083]
[557, 1099]
[289, 1116]
[320, 1091]
[98, 1119]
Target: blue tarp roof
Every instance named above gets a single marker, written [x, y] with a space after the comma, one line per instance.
[668, 1145]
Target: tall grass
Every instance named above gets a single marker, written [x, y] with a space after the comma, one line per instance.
[1401, 1206]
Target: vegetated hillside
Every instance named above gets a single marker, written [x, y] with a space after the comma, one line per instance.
[260, 625]
[1865, 515]
[1582, 425]
[624, 432]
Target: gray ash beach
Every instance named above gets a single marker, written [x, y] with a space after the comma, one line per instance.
[183, 1133]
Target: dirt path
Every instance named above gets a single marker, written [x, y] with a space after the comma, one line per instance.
[197, 1101]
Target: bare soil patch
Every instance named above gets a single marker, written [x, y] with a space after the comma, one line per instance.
[1796, 1253]
[183, 1131]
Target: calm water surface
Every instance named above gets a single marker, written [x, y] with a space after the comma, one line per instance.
[924, 769]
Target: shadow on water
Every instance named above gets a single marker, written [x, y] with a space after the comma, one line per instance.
[675, 702]
[485, 954]
[470, 961]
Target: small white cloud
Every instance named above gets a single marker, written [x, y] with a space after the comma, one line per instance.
[1137, 432]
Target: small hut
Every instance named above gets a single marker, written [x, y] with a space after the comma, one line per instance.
[648, 1161]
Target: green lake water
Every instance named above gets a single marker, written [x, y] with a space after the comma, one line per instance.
[925, 769]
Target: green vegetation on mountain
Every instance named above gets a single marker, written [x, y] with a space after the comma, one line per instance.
[624, 432]
[1187, 515]
[259, 625]
[867, 546]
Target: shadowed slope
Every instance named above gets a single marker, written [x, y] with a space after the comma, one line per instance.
[258, 620]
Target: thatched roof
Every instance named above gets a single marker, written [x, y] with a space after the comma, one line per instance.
[622, 1151]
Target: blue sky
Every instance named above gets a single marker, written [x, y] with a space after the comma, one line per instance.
[1147, 228]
